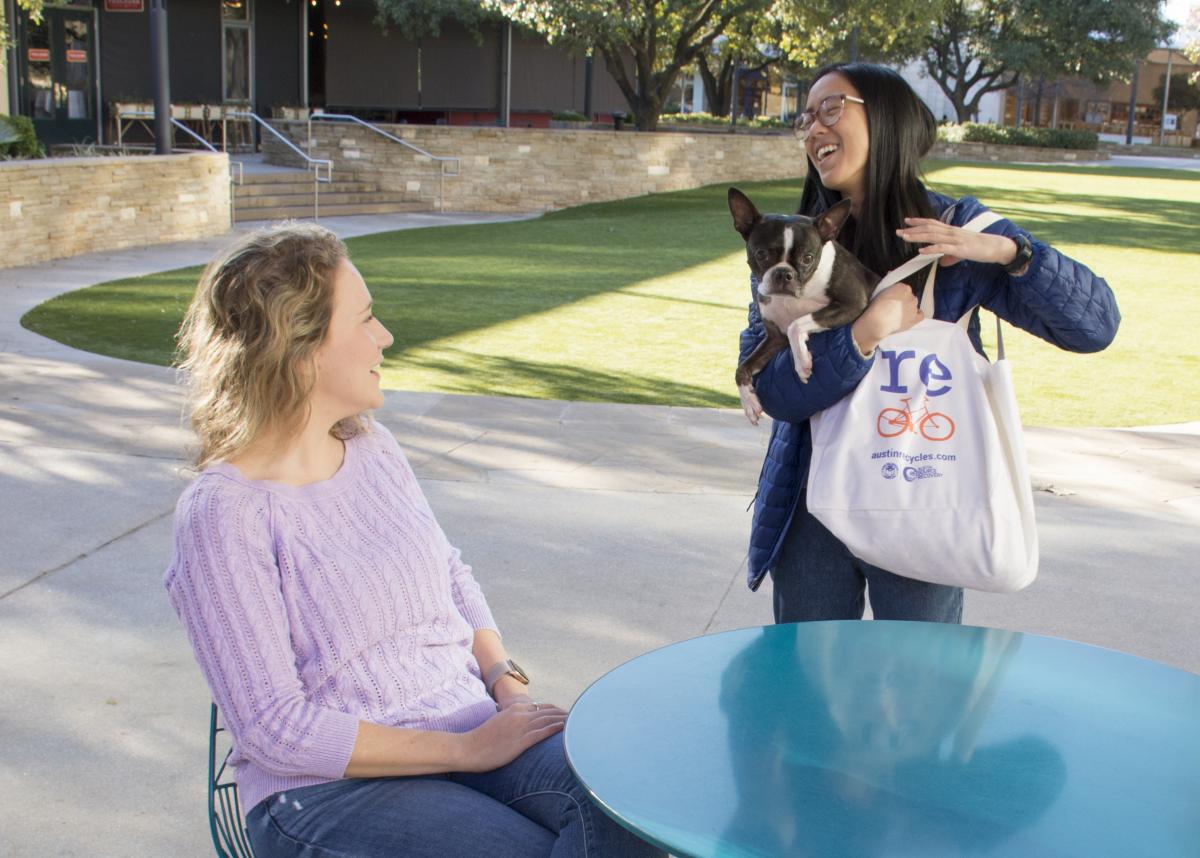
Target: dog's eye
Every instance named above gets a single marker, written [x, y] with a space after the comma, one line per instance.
[807, 259]
[761, 254]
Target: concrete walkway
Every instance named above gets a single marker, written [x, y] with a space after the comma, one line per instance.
[597, 531]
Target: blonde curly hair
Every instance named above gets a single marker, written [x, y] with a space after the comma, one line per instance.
[246, 345]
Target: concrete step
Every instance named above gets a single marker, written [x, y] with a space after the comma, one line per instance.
[276, 177]
[303, 212]
[250, 192]
[306, 199]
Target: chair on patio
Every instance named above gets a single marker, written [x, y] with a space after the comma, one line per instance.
[224, 811]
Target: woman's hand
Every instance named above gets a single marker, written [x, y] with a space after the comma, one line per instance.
[957, 243]
[895, 310]
[504, 701]
[508, 734]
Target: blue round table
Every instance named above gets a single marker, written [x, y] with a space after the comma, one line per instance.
[877, 738]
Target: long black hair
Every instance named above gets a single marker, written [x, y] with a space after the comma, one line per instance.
[902, 130]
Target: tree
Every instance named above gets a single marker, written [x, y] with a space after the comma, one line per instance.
[981, 46]
[746, 47]
[800, 35]
[1184, 95]
[975, 48]
[414, 19]
[887, 31]
[1191, 37]
[645, 43]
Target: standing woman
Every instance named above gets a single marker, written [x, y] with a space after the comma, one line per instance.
[865, 132]
[373, 708]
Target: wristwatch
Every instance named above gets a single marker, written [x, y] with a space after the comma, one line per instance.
[501, 669]
[1024, 254]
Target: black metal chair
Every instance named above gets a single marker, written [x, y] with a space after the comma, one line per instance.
[224, 811]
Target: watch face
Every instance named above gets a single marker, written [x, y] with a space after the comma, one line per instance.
[516, 668]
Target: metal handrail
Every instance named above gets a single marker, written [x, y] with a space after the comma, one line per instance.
[442, 160]
[315, 163]
[236, 176]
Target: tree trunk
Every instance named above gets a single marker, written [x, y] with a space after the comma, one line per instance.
[1037, 103]
[716, 87]
[1020, 101]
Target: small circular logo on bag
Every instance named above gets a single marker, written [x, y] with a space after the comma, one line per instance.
[890, 470]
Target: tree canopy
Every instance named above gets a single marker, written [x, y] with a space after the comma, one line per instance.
[645, 44]
[981, 46]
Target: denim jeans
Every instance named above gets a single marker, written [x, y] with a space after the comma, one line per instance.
[815, 577]
[534, 806]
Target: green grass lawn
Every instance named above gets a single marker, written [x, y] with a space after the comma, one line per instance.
[642, 300]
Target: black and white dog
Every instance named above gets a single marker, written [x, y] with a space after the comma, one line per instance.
[806, 282]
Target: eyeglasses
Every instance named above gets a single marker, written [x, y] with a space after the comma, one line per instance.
[829, 111]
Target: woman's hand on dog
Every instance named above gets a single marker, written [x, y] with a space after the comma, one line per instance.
[508, 734]
[956, 243]
[895, 310]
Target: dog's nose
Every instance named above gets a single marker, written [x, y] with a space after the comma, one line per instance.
[784, 275]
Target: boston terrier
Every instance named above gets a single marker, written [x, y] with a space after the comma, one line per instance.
[806, 282]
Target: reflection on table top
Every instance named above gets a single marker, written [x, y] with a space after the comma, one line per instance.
[886, 738]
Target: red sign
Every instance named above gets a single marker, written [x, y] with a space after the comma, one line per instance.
[123, 5]
[39, 55]
[77, 56]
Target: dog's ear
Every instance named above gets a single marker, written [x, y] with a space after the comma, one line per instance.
[829, 223]
[745, 215]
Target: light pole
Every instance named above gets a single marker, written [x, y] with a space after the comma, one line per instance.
[162, 77]
[1162, 126]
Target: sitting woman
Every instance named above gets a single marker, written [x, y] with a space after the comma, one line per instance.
[373, 708]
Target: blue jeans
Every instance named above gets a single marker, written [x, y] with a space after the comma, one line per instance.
[534, 806]
[815, 577]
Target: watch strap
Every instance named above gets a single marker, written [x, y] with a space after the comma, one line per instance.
[1024, 254]
[501, 669]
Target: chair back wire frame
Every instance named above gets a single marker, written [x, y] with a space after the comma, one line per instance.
[224, 810]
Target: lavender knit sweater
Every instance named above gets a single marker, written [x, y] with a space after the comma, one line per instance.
[312, 608]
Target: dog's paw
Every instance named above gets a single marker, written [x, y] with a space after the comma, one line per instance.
[804, 364]
[750, 404]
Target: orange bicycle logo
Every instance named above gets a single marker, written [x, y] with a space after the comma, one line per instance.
[933, 425]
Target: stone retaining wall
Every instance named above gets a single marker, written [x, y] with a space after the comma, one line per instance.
[1012, 154]
[58, 207]
[530, 169]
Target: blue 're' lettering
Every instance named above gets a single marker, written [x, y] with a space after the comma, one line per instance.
[894, 360]
[932, 368]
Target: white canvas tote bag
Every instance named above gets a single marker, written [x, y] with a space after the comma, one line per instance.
[921, 470]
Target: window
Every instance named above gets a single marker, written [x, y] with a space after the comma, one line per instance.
[237, 62]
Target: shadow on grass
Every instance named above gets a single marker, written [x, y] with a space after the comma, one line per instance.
[1166, 225]
[437, 283]
[488, 375]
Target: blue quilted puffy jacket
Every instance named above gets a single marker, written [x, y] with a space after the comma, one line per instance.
[1056, 299]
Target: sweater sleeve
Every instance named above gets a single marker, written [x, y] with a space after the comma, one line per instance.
[838, 367]
[224, 584]
[468, 597]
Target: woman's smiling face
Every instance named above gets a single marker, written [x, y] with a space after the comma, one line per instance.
[839, 153]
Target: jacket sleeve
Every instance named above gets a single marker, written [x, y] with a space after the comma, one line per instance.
[224, 585]
[1058, 299]
[838, 367]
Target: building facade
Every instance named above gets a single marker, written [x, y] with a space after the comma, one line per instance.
[1104, 108]
[86, 67]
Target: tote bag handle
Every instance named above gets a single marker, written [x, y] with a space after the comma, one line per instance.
[976, 224]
